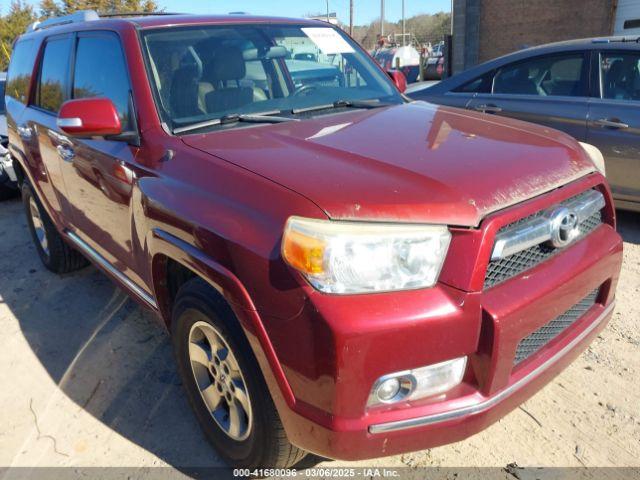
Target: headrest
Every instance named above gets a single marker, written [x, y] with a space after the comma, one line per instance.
[228, 64]
[615, 70]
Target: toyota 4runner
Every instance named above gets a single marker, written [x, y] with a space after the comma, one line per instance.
[342, 271]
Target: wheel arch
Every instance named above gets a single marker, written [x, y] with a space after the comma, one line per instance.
[171, 258]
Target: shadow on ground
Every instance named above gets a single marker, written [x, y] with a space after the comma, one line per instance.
[629, 226]
[111, 357]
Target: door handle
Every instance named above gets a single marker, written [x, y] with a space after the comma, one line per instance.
[66, 153]
[25, 132]
[611, 123]
[488, 108]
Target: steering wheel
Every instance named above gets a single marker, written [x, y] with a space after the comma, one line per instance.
[304, 90]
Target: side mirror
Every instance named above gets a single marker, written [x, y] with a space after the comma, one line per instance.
[89, 117]
[398, 79]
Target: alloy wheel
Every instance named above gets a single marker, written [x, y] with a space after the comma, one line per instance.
[220, 381]
[38, 226]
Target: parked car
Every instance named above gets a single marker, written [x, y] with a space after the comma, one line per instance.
[8, 179]
[434, 63]
[433, 68]
[589, 89]
[405, 59]
[341, 271]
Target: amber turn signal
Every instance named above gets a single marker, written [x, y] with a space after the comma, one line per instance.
[303, 252]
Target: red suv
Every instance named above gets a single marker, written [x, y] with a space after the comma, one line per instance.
[342, 271]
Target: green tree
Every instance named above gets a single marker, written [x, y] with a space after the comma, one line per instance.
[14, 23]
[124, 6]
[49, 8]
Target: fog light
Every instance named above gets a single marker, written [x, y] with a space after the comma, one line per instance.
[388, 389]
[418, 383]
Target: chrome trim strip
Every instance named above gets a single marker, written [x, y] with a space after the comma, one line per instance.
[99, 259]
[69, 122]
[490, 402]
[540, 229]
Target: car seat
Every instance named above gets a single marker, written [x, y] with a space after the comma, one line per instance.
[184, 92]
[614, 82]
[225, 72]
[516, 83]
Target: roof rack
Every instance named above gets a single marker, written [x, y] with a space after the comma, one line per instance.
[77, 17]
[136, 14]
[87, 16]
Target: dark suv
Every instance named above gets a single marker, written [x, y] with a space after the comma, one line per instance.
[342, 271]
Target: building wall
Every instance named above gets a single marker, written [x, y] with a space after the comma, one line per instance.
[466, 33]
[508, 25]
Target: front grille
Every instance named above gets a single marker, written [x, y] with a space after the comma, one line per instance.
[538, 339]
[503, 269]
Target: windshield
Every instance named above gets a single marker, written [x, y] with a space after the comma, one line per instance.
[211, 72]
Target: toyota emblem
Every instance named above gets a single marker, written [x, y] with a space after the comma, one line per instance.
[564, 227]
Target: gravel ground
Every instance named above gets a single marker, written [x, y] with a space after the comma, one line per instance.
[87, 379]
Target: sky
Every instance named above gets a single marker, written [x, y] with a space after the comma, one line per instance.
[364, 12]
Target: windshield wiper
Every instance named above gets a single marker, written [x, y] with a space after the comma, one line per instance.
[266, 117]
[373, 103]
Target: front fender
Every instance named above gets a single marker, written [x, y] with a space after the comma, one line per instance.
[162, 246]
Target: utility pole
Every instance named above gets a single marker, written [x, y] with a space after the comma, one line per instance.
[452, 17]
[404, 27]
[328, 20]
[351, 18]
[381, 18]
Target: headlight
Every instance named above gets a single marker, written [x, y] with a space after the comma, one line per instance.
[353, 257]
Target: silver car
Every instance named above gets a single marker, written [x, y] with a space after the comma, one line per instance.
[588, 88]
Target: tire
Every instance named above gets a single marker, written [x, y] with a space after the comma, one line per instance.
[259, 439]
[7, 192]
[54, 252]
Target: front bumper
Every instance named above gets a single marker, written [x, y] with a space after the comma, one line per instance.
[334, 350]
[478, 404]
[492, 386]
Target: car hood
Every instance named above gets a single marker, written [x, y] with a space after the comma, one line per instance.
[415, 162]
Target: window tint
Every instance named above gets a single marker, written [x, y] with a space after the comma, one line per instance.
[100, 71]
[543, 76]
[620, 77]
[20, 70]
[52, 88]
[478, 85]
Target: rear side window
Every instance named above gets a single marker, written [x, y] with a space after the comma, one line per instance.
[52, 89]
[100, 71]
[477, 85]
[21, 69]
[558, 75]
[629, 24]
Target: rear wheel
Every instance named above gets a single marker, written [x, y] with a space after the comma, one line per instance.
[54, 252]
[224, 384]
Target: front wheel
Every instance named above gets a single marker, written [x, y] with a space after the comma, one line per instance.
[224, 384]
